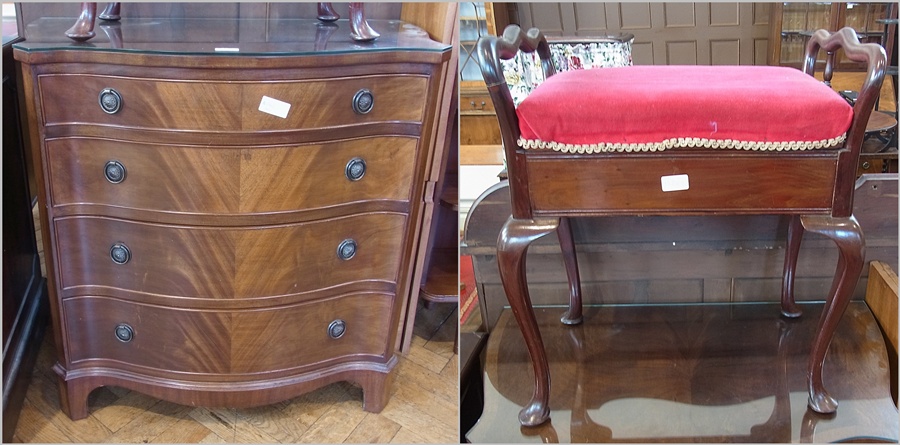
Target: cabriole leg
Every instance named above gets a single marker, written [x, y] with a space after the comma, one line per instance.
[794, 236]
[512, 246]
[846, 233]
[573, 315]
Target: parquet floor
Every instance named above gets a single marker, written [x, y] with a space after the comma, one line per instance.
[423, 407]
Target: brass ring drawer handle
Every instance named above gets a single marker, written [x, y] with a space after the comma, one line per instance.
[114, 172]
[120, 253]
[110, 101]
[347, 249]
[363, 101]
[124, 333]
[337, 328]
[355, 169]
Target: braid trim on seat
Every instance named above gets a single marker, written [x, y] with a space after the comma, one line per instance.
[532, 144]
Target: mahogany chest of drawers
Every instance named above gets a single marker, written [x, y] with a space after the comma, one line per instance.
[231, 223]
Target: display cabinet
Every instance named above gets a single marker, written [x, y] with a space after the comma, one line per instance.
[792, 23]
[438, 265]
[477, 118]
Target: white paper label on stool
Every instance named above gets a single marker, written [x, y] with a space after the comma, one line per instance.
[274, 107]
[674, 183]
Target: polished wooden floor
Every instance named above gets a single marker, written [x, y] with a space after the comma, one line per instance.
[423, 407]
[683, 373]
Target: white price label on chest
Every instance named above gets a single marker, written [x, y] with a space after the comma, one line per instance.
[274, 107]
[674, 183]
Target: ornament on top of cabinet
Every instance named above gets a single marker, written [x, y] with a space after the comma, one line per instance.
[359, 26]
[83, 29]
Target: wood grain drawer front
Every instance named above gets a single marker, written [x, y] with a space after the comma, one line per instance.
[221, 180]
[230, 106]
[224, 263]
[329, 103]
[479, 130]
[476, 104]
[625, 183]
[228, 341]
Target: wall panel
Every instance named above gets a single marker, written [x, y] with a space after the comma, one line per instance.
[664, 33]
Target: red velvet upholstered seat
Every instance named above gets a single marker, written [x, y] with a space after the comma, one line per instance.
[652, 108]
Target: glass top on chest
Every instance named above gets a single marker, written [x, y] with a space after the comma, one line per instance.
[228, 36]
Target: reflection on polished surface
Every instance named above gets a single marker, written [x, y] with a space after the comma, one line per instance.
[701, 373]
[228, 36]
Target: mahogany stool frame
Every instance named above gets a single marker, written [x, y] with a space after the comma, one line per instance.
[832, 170]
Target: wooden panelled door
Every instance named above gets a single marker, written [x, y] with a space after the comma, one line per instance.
[665, 33]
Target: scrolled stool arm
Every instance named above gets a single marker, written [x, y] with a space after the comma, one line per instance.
[874, 57]
[489, 52]
[871, 54]
[491, 49]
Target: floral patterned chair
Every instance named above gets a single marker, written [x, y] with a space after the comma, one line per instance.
[523, 72]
